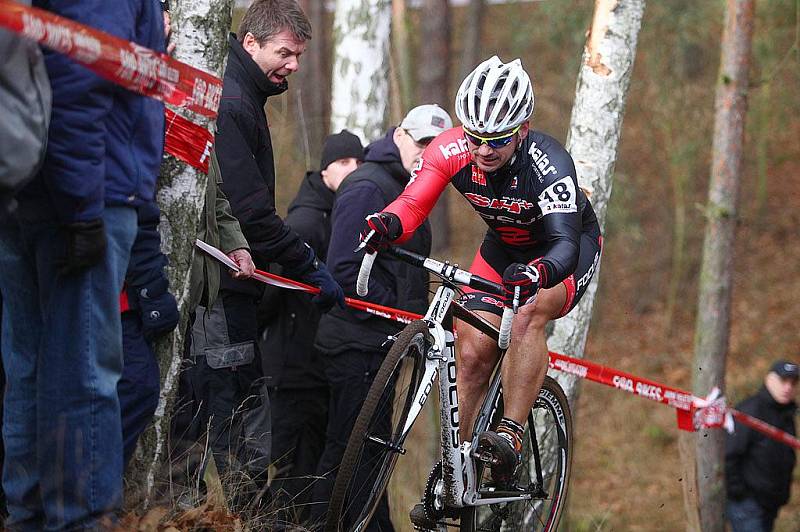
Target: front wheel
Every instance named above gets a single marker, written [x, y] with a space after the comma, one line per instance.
[549, 430]
[378, 434]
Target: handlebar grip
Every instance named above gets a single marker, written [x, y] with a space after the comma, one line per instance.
[362, 283]
[504, 338]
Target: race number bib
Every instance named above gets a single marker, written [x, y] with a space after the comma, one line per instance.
[559, 197]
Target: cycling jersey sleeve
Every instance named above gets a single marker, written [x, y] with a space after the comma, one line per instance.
[559, 202]
[440, 161]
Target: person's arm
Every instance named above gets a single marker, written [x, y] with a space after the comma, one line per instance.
[736, 447]
[74, 168]
[352, 205]
[251, 200]
[562, 223]
[148, 286]
[427, 183]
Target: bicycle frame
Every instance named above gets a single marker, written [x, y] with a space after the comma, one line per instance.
[458, 465]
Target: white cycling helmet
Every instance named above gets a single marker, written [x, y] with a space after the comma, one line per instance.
[495, 97]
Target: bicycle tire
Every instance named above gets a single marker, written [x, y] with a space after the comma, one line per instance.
[408, 351]
[554, 438]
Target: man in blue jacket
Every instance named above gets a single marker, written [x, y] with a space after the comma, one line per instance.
[63, 255]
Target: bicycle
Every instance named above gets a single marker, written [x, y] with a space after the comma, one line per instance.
[458, 487]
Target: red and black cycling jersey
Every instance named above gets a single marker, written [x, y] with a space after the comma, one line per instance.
[533, 202]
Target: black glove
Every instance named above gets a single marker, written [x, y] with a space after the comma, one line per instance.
[86, 246]
[314, 272]
[387, 227]
[158, 308]
[522, 276]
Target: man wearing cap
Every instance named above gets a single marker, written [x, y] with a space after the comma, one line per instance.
[758, 469]
[352, 340]
[293, 368]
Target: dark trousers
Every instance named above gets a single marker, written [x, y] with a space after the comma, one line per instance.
[349, 375]
[222, 400]
[299, 421]
[139, 386]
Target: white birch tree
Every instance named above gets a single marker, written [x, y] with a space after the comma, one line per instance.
[360, 79]
[200, 30]
[594, 133]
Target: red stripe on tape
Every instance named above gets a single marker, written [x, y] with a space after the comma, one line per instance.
[123, 62]
[187, 141]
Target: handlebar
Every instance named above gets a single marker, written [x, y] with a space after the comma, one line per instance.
[448, 272]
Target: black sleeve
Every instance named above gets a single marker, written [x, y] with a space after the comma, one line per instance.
[252, 202]
[351, 208]
[562, 223]
[736, 448]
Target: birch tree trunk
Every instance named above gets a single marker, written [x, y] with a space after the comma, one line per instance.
[714, 299]
[594, 134]
[434, 74]
[200, 29]
[360, 79]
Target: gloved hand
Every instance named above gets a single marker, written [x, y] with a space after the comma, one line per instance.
[158, 307]
[387, 227]
[86, 246]
[522, 276]
[314, 272]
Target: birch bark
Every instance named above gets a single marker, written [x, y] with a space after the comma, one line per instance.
[360, 80]
[200, 29]
[594, 133]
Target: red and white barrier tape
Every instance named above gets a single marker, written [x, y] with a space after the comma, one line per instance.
[125, 63]
[132, 66]
[693, 412]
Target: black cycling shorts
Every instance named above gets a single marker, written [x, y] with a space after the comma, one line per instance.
[493, 257]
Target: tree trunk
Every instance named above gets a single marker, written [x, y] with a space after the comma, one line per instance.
[434, 74]
[311, 89]
[360, 79]
[473, 27]
[401, 54]
[200, 29]
[594, 134]
[714, 298]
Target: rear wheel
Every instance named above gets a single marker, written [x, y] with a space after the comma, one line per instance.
[378, 434]
[551, 421]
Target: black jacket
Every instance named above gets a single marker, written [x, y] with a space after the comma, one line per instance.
[375, 184]
[244, 149]
[289, 318]
[755, 465]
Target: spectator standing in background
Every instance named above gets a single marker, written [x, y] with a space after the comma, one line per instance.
[758, 469]
[64, 255]
[293, 368]
[225, 366]
[353, 342]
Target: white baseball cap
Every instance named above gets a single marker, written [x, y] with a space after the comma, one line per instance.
[426, 121]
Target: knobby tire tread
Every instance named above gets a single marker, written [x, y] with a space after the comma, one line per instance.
[347, 468]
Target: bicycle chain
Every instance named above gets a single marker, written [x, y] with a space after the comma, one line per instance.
[432, 499]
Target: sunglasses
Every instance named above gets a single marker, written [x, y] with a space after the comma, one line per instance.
[493, 142]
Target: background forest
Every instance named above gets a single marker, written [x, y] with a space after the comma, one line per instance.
[626, 474]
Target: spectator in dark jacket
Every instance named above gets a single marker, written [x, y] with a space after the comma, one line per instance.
[759, 469]
[353, 341]
[223, 351]
[148, 310]
[64, 255]
[293, 368]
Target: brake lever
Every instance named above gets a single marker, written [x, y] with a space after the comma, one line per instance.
[363, 243]
[515, 302]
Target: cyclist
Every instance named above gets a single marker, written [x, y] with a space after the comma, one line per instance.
[543, 240]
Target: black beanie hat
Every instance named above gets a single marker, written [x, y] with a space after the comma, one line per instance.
[341, 146]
